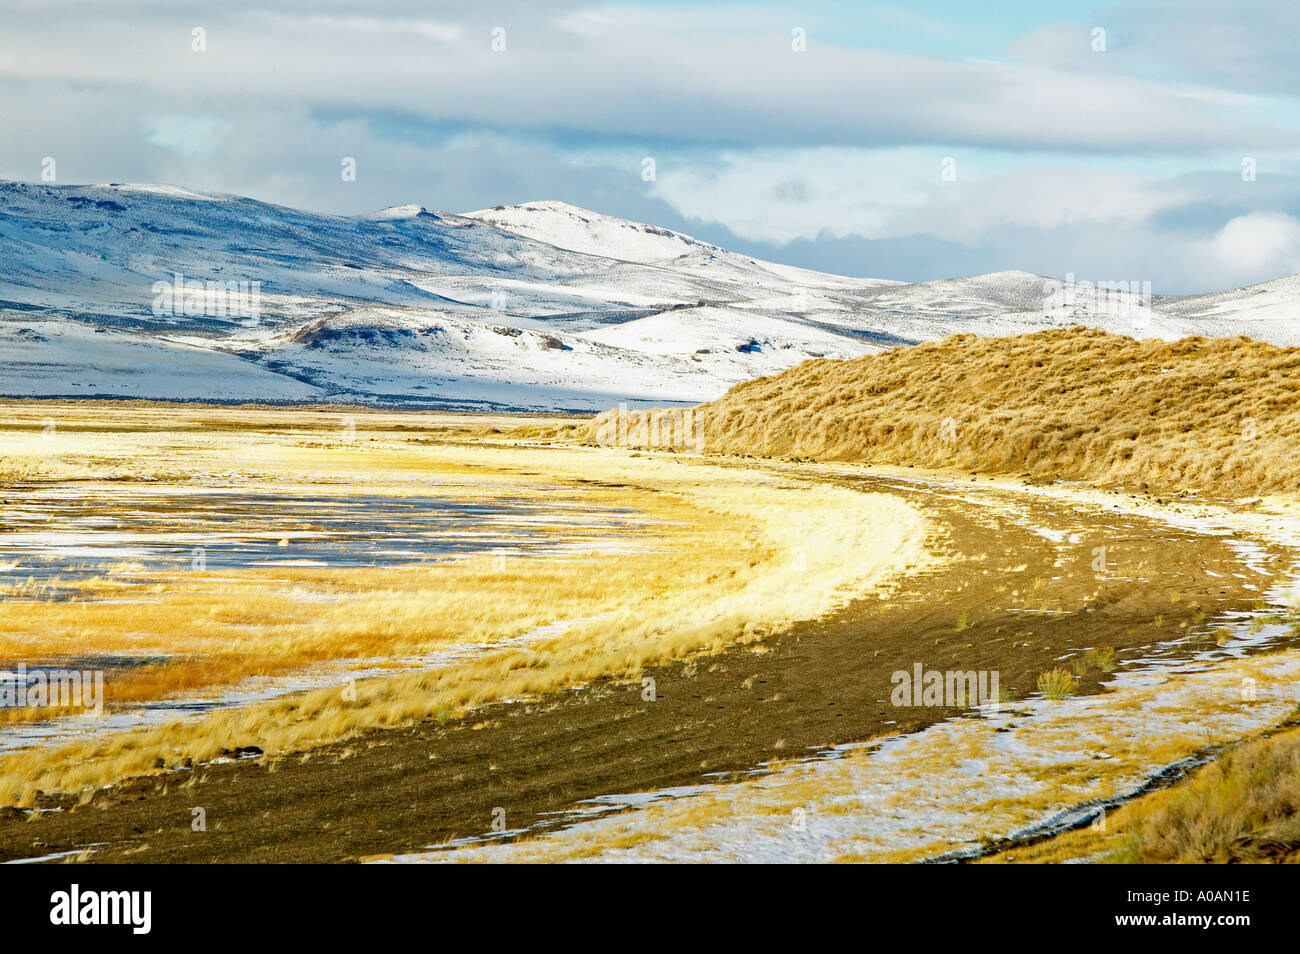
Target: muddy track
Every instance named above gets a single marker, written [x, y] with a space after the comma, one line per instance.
[1019, 595]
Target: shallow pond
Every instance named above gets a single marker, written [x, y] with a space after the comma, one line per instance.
[79, 534]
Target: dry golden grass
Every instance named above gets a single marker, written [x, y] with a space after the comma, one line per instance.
[1215, 414]
[1056, 684]
[222, 625]
[725, 556]
[1243, 807]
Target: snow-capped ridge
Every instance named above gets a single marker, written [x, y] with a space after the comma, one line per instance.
[581, 230]
[397, 212]
[162, 189]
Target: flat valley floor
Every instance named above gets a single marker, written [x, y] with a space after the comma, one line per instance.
[337, 635]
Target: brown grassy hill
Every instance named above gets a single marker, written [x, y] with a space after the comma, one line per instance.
[1214, 414]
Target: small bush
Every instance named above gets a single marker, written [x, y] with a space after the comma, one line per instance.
[1056, 684]
[1103, 659]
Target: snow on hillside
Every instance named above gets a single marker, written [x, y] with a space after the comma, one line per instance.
[159, 291]
[416, 354]
[722, 338]
[1267, 311]
[55, 358]
[569, 227]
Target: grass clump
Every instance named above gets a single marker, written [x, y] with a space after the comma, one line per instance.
[1103, 659]
[1056, 684]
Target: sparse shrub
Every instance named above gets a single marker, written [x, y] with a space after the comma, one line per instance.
[1103, 659]
[1056, 684]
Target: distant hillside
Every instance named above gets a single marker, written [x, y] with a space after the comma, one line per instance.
[1213, 414]
[112, 291]
[148, 291]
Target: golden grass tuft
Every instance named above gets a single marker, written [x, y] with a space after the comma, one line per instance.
[1103, 658]
[1056, 684]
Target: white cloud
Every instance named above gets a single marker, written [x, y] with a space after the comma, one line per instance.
[351, 26]
[628, 78]
[1251, 248]
[189, 136]
[777, 195]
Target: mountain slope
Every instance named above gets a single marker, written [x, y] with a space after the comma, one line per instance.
[158, 291]
[577, 230]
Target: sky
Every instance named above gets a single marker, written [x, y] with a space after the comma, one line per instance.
[1142, 141]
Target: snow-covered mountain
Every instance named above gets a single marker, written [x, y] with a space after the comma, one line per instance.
[578, 230]
[156, 291]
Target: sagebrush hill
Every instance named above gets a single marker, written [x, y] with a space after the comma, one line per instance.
[1212, 414]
